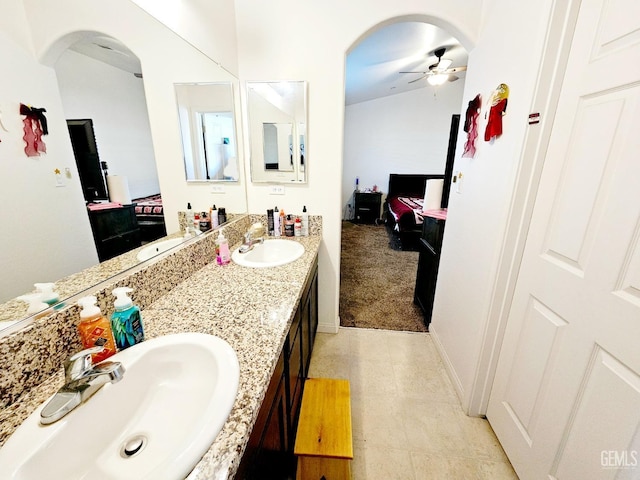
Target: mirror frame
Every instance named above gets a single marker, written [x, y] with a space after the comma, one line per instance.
[297, 116]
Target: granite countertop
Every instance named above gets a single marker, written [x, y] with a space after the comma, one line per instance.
[252, 310]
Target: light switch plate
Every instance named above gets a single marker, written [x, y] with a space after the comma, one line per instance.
[276, 190]
[217, 189]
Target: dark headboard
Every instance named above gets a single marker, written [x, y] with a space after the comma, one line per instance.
[412, 185]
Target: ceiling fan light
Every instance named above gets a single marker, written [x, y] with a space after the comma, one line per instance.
[444, 63]
[437, 79]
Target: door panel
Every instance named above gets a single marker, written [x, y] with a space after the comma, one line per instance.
[567, 385]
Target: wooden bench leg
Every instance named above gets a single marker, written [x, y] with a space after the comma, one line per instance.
[317, 468]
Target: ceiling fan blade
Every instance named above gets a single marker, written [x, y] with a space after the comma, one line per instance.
[453, 78]
[417, 79]
[423, 73]
[455, 69]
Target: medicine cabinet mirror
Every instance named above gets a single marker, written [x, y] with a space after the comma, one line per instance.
[208, 130]
[277, 113]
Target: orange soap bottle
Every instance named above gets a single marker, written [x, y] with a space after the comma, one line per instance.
[95, 329]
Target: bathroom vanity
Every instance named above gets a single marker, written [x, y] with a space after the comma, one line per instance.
[267, 315]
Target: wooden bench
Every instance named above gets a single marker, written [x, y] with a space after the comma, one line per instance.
[324, 445]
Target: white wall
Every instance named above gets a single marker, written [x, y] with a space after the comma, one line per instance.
[115, 101]
[403, 133]
[508, 51]
[45, 229]
[166, 59]
[293, 40]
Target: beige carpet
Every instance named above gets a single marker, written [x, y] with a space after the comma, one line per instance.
[377, 282]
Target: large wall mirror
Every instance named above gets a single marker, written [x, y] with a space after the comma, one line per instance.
[145, 148]
[208, 128]
[277, 113]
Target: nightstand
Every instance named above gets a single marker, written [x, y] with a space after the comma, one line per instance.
[367, 206]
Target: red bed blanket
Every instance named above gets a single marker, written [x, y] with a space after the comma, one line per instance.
[407, 211]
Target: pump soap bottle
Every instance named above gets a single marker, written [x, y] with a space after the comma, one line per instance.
[223, 256]
[95, 330]
[126, 320]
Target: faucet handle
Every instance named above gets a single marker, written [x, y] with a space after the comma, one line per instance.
[79, 363]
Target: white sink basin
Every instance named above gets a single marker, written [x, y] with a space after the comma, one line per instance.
[271, 253]
[176, 394]
[156, 248]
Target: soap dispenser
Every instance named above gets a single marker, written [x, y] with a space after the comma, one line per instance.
[126, 321]
[47, 295]
[36, 305]
[94, 329]
[223, 255]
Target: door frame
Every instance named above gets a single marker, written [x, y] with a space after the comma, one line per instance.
[557, 44]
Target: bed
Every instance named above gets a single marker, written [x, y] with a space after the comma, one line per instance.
[403, 206]
[150, 215]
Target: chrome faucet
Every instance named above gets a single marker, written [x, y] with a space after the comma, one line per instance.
[249, 242]
[82, 380]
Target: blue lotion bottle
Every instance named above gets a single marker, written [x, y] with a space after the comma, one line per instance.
[126, 321]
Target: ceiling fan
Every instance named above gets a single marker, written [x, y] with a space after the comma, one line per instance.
[439, 72]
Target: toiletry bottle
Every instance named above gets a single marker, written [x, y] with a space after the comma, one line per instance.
[126, 321]
[47, 295]
[297, 227]
[288, 227]
[196, 222]
[222, 249]
[276, 223]
[95, 329]
[283, 220]
[305, 222]
[36, 305]
[205, 223]
[189, 216]
[270, 225]
[222, 215]
[214, 217]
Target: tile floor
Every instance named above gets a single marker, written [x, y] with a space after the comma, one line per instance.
[407, 420]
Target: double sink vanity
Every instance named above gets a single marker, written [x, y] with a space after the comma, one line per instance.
[186, 406]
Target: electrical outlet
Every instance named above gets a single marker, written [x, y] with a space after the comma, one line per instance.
[217, 189]
[276, 190]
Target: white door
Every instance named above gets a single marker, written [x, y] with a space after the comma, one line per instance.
[566, 397]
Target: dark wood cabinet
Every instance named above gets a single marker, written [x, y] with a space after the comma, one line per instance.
[115, 231]
[367, 206]
[269, 453]
[428, 262]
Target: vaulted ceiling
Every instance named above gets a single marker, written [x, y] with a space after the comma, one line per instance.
[374, 64]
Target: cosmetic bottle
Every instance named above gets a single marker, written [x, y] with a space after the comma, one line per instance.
[305, 222]
[36, 305]
[270, 225]
[47, 295]
[288, 227]
[276, 223]
[205, 223]
[282, 222]
[95, 329]
[126, 321]
[297, 227]
[214, 217]
[189, 216]
[222, 215]
[223, 255]
[196, 222]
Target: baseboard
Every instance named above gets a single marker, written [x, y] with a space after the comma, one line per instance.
[457, 385]
[329, 327]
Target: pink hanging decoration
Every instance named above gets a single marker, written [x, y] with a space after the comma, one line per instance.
[35, 126]
[471, 126]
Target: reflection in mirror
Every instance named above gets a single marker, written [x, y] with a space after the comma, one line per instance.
[208, 129]
[277, 131]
